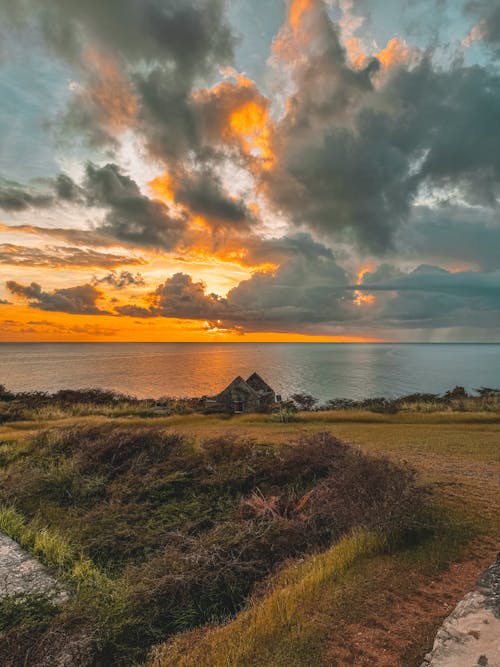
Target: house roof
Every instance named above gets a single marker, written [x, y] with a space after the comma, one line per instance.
[258, 384]
[239, 383]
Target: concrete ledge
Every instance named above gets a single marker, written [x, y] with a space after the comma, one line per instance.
[21, 574]
[470, 636]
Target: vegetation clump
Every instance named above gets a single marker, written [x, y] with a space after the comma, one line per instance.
[66, 403]
[158, 533]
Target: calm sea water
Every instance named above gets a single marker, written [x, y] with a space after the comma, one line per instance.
[185, 369]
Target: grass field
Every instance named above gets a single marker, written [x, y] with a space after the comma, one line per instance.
[359, 602]
[386, 609]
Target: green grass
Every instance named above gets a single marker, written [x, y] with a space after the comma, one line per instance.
[306, 608]
[275, 630]
[121, 506]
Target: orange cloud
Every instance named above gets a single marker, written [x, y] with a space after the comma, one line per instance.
[108, 92]
[163, 187]
[17, 324]
[236, 113]
[356, 53]
[297, 10]
[361, 298]
[250, 124]
[395, 52]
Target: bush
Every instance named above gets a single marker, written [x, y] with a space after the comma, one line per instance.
[29, 611]
[304, 402]
[457, 393]
[179, 535]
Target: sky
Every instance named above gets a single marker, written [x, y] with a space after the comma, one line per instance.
[250, 170]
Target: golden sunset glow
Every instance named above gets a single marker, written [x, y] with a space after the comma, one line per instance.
[298, 8]
[194, 189]
[29, 325]
[396, 52]
[250, 123]
[362, 298]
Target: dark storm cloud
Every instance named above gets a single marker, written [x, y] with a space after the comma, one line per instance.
[191, 34]
[77, 236]
[59, 257]
[16, 197]
[337, 169]
[144, 53]
[42, 194]
[279, 250]
[183, 298]
[455, 123]
[488, 27]
[356, 147]
[302, 290]
[79, 300]
[308, 287]
[203, 194]
[452, 234]
[427, 278]
[430, 296]
[121, 280]
[132, 217]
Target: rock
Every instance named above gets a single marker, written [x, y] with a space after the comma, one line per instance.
[470, 636]
[21, 574]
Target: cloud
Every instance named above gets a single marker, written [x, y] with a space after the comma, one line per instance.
[121, 280]
[203, 194]
[455, 235]
[337, 171]
[303, 289]
[487, 30]
[180, 297]
[46, 326]
[15, 197]
[43, 193]
[139, 58]
[430, 296]
[355, 150]
[82, 237]
[309, 286]
[393, 154]
[79, 300]
[436, 279]
[132, 217]
[61, 257]
[193, 37]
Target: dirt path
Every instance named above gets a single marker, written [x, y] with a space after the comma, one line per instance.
[404, 618]
[20, 574]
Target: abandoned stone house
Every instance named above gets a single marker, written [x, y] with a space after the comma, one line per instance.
[252, 395]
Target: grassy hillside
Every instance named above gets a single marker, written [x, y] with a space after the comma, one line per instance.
[169, 527]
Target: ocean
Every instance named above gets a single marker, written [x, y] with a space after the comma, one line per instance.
[151, 370]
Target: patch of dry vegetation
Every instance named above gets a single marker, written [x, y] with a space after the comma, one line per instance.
[159, 533]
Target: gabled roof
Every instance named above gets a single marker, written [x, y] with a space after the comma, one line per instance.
[258, 384]
[239, 383]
